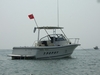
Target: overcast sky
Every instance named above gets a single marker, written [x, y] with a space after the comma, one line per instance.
[80, 18]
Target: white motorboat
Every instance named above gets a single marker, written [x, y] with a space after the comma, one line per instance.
[53, 45]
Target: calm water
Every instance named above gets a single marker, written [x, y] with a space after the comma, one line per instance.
[82, 62]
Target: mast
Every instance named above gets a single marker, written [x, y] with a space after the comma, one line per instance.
[58, 13]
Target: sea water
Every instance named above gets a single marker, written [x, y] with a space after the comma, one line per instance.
[82, 62]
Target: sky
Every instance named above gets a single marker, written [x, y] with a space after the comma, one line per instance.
[80, 19]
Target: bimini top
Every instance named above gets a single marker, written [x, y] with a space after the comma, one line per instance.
[49, 27]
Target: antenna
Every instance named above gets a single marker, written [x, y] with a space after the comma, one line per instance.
[58, 13]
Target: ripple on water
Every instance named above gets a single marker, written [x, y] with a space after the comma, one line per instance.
[81, 63]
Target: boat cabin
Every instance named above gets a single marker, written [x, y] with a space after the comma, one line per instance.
[52, 39]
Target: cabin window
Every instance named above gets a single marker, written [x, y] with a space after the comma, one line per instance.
[47, 53]
[50, 53]
[46, 38]
[61, 37]
[54, 52]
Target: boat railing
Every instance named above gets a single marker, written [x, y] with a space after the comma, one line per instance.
[71, 41]
[74, 40]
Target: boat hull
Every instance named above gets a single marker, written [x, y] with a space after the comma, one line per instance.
[43, 52]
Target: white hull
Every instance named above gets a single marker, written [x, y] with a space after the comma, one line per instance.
[43, 52]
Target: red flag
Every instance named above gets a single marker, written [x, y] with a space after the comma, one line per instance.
[31, 16]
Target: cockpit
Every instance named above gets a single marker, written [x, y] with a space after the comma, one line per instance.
[51, 39]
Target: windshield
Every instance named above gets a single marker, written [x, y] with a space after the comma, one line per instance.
[55, 37]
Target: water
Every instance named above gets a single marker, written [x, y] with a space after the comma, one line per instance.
[82, 62]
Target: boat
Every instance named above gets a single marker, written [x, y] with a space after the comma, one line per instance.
[52, 45]
[96, 48]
